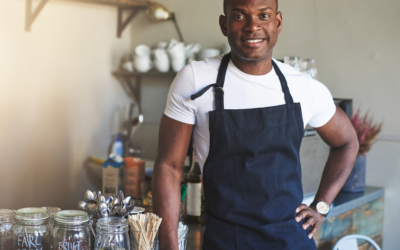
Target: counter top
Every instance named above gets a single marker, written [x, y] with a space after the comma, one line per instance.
[347, 201]
[344, 202]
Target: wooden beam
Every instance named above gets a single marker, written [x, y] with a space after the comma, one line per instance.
[30, 16]
[121, 24]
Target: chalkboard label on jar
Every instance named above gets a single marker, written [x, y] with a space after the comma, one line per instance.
[31, 241]
[72, 244]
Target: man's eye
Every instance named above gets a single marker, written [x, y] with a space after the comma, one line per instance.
[264, 15]
[239, 16]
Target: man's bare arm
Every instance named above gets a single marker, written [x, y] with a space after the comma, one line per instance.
[340, 135]
[174, 138]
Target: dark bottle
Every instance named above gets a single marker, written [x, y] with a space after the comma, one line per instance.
[194, 192]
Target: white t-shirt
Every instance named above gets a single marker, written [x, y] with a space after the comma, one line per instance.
[242, 91]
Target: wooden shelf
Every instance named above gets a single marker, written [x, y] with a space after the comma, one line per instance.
[130, 6]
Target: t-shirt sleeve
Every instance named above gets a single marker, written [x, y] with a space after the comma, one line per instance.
[179, 105]
[324, 106]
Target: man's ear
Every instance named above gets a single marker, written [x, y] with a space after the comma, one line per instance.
[279, 21]
[223, 25]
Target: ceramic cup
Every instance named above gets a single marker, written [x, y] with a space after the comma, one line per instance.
[178, 62]
[207, 53]
[143, 63]
[128, 66]
[177, 50]
[142, 50]
[161, 60]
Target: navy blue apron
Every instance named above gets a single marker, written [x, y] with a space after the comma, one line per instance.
[252, 176]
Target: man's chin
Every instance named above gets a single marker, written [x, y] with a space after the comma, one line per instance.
[253, 55]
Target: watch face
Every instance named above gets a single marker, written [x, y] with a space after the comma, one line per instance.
[322, 208]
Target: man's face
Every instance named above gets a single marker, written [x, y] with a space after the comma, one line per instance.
[252, 28]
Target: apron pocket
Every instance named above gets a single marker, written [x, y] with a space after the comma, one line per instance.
[286, 235]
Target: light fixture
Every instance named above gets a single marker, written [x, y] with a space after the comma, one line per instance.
[157, 12]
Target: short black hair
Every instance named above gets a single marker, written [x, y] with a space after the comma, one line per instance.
[226, 3]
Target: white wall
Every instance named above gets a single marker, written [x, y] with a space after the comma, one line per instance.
[356, 47]
[58, 101]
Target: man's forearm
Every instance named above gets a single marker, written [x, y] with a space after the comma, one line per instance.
[337, 169]
[166, 203]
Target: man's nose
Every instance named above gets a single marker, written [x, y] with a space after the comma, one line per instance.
[252, 25]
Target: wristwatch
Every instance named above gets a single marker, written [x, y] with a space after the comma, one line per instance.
[321, 207]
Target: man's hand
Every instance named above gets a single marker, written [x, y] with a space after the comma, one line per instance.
[314, 218]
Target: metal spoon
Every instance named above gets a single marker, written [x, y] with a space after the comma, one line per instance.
[87, 207]
[121, 195]
[88, 197]
[127, 201]
[114, 210]
[115, 201]
[122, 209]
[81, 205]
[94, 211]
[100, 200]
[94, 195]
[103, 210]
[109, 199]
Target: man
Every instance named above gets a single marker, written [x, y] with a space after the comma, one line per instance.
[248, 114]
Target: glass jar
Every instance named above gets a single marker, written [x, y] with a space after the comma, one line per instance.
[112, 234]
[31, 230]
[71, 230]
[52, 212]
[144, 240]
[6, 229]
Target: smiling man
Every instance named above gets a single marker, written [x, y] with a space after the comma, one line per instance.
[248, 132]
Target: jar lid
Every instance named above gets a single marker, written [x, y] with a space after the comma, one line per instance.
[6, 213]
[112, 224]
[52, 210]
[32, 213]
[75, 217]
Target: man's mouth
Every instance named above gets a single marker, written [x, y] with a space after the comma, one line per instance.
[254, 43]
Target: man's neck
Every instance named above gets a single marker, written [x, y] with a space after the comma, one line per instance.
[253, 67]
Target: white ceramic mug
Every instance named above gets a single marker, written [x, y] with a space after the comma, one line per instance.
[178, 62]
[128, 66]
[143, 63]
[162, 65]
[142, 50]
[161, 62]
[177, 50]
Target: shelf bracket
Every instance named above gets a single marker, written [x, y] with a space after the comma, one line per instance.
[122, 24]
[30, 15]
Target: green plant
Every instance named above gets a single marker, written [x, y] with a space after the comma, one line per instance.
[366, 131]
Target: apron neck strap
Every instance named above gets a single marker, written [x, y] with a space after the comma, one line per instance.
[219, 90]
[218, 87]
[282, 79]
